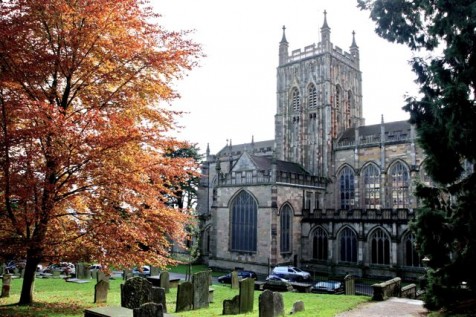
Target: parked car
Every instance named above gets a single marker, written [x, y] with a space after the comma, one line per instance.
[328, 287]
[277, 283]
[65, 268]
[242, 274]
[143, 271]
[95, 267]
[291, 273]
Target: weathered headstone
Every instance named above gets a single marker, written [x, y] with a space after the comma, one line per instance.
[101, 276]
[201, 285]
[81, 272]
[231, 306]
[154, 271]
[184, 297]
[6, 281]
[127, 274]
[135, 292]
[271, 304]
[149, 310]
[247, 289]
[234, 280]
[100, 291]
[164, 281]
[158, 297]
[297, 307]
[349, 285]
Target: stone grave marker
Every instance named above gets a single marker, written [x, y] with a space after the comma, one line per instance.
[201, 286]
[135, 292]
[349, 285]
[149, 310]
[297, 307]
[6, 281]
[154, 271]
[158, 296]
[184, 297]
[164, 281]
[231, 306]
[234, 280]
[81, 272]
[100, 291]
[127, 274]
[247, 288]
[101, 276]
[271, 304]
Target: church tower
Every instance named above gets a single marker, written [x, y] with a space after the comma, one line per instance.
[319, 95]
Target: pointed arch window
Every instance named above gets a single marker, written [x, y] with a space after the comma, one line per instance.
[243, 225]
[319, 244]
[348, 110]
[348, 245]
[347, 188]
[399, 185]
[312, 93]
[371, 175]
[412, 258]
[296, 100]
[286, 229]
[380, 247]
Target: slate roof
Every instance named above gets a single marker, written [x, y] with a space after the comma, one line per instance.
[261, 146]
[398, 129]
[264, 163]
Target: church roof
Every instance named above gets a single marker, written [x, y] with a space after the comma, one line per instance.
[261, 146]
[264, 163]
[397, 130]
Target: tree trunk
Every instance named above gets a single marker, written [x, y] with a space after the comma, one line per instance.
[26, 297]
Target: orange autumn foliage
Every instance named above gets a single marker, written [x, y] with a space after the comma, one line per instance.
[84, 87]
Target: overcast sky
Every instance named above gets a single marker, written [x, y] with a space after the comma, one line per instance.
[233, 93]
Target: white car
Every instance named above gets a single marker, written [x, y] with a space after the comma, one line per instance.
[291, 273]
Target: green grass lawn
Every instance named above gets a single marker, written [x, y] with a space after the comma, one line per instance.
[55, 298]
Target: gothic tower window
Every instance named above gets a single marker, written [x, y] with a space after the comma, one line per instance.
[399, 185]
[380, 247]
[312, 96]
[244, 211]
[348, 109]
[411, 255]
[296, 100]
[336, 114]
[371, 177]
[347, 188]
[286, 227]
[319, 244]
[348, 245]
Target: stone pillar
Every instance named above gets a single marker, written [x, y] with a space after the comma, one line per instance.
[6, 281]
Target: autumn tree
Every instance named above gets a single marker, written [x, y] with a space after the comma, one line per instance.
[85, 90]
[443, 35]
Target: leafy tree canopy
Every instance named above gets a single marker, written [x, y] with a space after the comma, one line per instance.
[444, 115]
[84, 120]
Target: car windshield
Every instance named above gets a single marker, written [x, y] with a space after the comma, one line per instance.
[297, 270]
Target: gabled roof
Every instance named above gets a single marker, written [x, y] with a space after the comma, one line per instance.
[261, 146]
[264, 163]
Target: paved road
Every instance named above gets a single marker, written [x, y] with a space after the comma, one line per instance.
[393, 307]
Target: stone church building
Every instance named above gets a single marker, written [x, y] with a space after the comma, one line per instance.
[329, 194]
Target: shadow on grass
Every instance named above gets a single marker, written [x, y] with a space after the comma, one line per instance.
[40, 309]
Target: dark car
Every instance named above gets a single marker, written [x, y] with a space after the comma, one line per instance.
[242, 274]
[328, 287]
[276, 283]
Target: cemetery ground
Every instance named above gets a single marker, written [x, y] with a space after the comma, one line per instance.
[58, 298]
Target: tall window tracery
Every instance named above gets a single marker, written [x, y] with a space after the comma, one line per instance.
[371, 177]
[296, 100]
[380, 247]
[348, 245]
[347, 188]
[412, 258]
[399, 185]
[319, 244]
[286, 227]
[244, 210]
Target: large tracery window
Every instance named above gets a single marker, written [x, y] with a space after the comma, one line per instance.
[347, 188]
[380, 247]
[319, 244]
[312, 96]
[399, 185]
[412, 258]
[243, 223]
[296, 100]
[286, 227]
[348, 246]
[371, 177]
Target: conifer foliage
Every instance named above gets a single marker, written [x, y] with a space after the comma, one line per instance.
[85, 88]
[444, 114]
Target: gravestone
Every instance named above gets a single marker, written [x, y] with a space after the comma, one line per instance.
[234, 280]
[135, 292]
[94, 275]
[201, 286]
[149, 310]
[82, 272]
[184, 297]
[154, 271]
[158, 297]
[101, 276]
[297, 307]
[247, 289]
[349, 285]
[271, 304]
[100, 291]
[164, 281]
[231, 306]
[127, 274]
[6, 281]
